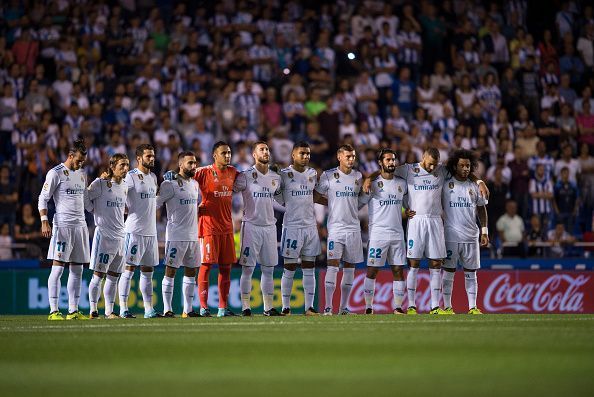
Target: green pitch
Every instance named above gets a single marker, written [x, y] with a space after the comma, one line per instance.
[368, 356]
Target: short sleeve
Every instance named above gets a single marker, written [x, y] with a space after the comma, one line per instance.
[240, 183]
[323, 184]
[166, 192]
[401, 171]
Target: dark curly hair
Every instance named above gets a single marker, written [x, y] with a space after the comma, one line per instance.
[461, 154]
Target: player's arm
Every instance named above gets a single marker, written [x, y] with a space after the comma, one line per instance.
[483, 218]
[483, 189]
[366, 187]
[93, 192]
[363, 199]
[321, 190]
[165, 193]
[240, 183]
[51, 183]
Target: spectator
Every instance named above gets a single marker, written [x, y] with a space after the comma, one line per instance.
[542, 194]
[536, 237]
[566, 161]
[520, 180]
[559, 239]
[585, 124]
[567, 201]
[585, 45]
[586, 184]
[6, 242]
[403, 93]
[542, 157]
[510, 228]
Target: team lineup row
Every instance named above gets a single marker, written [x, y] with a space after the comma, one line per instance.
[442, 202]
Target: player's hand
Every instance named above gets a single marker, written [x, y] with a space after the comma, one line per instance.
[484, 190]
[170, 176]
[46, 229]
[201, 210]
[366, 185]
[104, 175]
[484, 240]
[409, 214]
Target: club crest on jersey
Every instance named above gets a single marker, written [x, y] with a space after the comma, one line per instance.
[470, 192]
[399, 189]
[380, 184]
[273, 182]
[109, 184]
[417, 170]
[336, 176]
[451, 185]
[255, 176]
[45, 186]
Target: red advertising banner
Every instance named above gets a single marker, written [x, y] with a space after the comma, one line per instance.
[500, 291]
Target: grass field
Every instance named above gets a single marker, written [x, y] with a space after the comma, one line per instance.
[491, 355]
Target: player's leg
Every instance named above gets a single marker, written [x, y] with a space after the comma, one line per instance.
[290, 266]
[54, 282]
[190, 261]
[353, 254]
[247, 259]
[148, 261]
[334, 250]
[310, 251]
[167, 286]
[77, 253]
[398, 288]
[203, 285]
[369, 288]
[101, 258]
[226, 257]
[109, 292]
[449, 271]
[415, 250]
[268, 259]
[95, 293]
[131, 259]
[470, 260]
[436, 252]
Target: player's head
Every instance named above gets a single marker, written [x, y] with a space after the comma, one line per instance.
[462, 163]
[346, 156]
[261, 152]
[301, 154]
[118, 166]
[430, 159]
[145, 155]
[77, 154]
[221, 153]
[386, 158]
[187, 164]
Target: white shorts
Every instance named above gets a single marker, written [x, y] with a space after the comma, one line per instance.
[381, 250]
[258, 245]
[69, 244]
[425, 238]
[107, 255]
[345, 246]
[301, 243]
[141, 250]
[182, 253]
[466, 254]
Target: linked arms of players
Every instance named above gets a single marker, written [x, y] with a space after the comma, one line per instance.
[483, 218]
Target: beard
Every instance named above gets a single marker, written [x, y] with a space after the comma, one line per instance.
[188, 173]
[389, 169]
[148, 165]
[264, 160]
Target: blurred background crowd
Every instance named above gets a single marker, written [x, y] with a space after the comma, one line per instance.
[509, 79]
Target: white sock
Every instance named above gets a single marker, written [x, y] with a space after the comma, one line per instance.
[188, 292]
[287, 287]
[267, 286]
[53, 287]
[146, 289]
[167, 289]
[411, 285]
[447, 285]
[309, 287]
[346, 285]
[124, 289]
[74, 279]
[330, 284]
[435, 284]
[109, 291]
[245, 286]
[398, 288]
[94, 292]
[471, 284]
[368, 292]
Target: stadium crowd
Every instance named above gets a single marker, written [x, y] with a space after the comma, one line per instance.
[479, 75]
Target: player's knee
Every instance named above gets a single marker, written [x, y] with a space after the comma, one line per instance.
[113, 274]
[147, 269]
[372, 272]
[225, 270]
[292, 266]
[99, 274]
[190, 271]
[398, 273]
[435, 263]
[169, 271]
[414, 263]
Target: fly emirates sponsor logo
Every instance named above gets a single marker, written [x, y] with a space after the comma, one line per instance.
[226, 192]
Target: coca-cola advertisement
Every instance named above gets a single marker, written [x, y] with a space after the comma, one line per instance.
[509, 291]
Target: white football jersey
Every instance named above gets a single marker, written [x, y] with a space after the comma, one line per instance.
[424, 189]
[297, 197]
[384, 203]
[181, 198]
[460, 200]
[342, 191]
[141, 203]
[258, 191]
[68, 189]
[107, 200]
